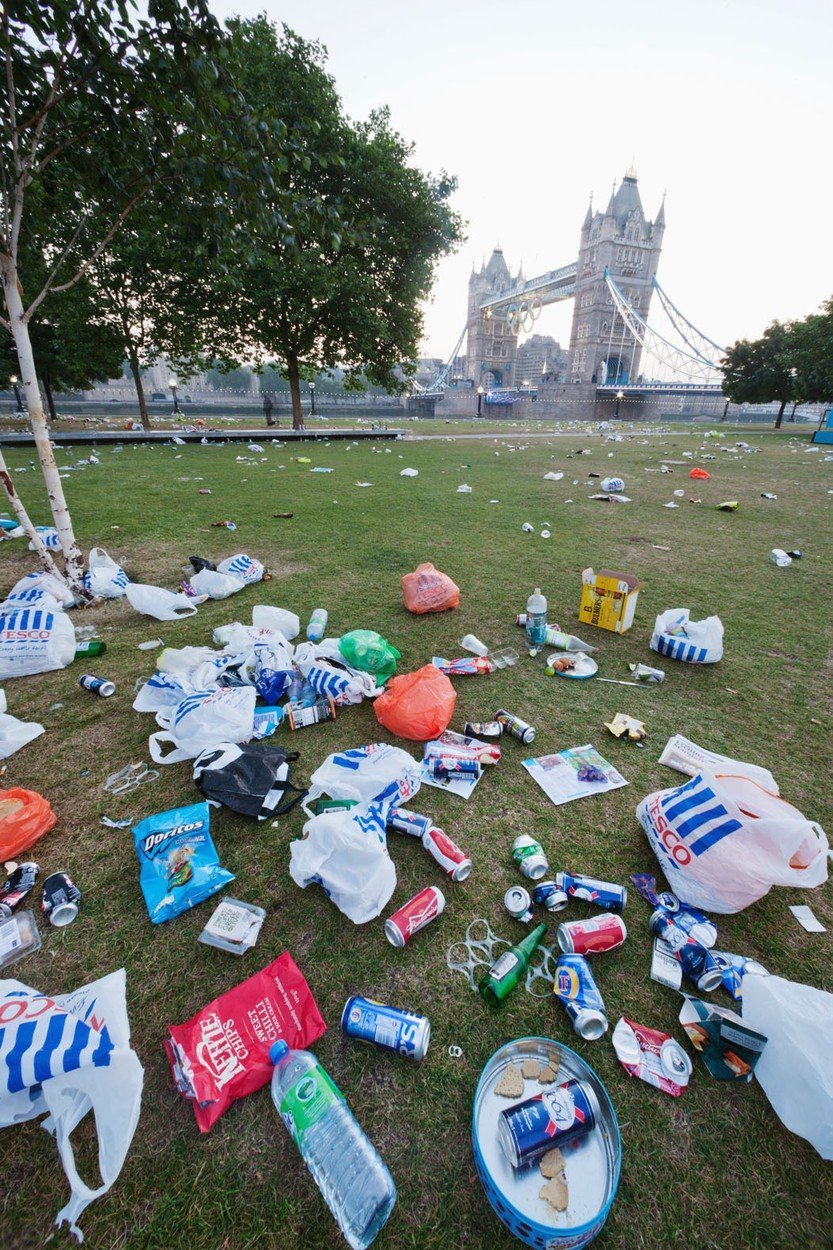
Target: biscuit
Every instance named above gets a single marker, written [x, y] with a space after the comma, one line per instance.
[511, 1083]
[548, 1072]
[556, 1193]
[530, 1068]
[552, 1163]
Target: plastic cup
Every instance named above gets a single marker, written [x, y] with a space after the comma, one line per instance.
[474, 645]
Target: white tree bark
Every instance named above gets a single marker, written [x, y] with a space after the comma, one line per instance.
[73, 556]
[26, 521]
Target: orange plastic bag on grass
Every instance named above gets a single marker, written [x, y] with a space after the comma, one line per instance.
[429, 590]
[700, 475]
[24, 817]
[417, 705]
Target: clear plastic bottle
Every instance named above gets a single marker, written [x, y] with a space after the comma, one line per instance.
[536, 620]
[346, 1166]
[317, 625]
[566, 642]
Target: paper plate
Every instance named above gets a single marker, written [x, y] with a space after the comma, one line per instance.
[586, 666]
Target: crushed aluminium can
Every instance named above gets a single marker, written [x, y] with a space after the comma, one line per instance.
[98, 685]
[529, 856]
[603, 893]
[404, 1032]
[592, 936]
[454, 862]
[515, 726]
[553, 1118]
[733, 969]
[483, 729]
[698, 963]
[442, 766]
[652, 1056]
[17, 886]
[547, 894]
[414, 915]
[579, 995]
[60, 899]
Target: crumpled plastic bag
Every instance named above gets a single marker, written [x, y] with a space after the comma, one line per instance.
[25, 816]
[46, 582]
[201, 720]
[794, 1070]
[369, 652]
[429, 590]
[155, 601]
[215, 584]
[105, 577]
[34, 640]
[417, 705]
[679, 638]
[242, 567]
[15, 733]
[67, 1055]
[267, 616]
[379, 771]
[346, 853]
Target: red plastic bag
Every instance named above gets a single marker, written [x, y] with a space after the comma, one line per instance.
[429, 590]
[222, 1053]
[700, 475]
[417, 705]
[24, 817]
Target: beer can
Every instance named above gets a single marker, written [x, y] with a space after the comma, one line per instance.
[579, 995]
[698, 963]
[592, 936]
[603, 893]
[97, 684]
[517, 902]
[644, 672]
[442, 766]
[321, 710]
[404, 1032]
[60, 899]
[483, 729]
[418, 912]
[448, 855]
[553, 1118]
[17, 886]
[515, 726]
[547, 894]
[403, 821]
[529, 856]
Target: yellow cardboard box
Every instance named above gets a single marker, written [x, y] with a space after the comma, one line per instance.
[608, 599]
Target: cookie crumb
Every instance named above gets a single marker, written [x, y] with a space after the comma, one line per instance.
[511, 1083]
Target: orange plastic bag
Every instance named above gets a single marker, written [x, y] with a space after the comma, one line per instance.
[700, 475]
[24, 817]
[429, 590]
[417, 705]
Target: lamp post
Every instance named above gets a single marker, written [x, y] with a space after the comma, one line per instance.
[14, 379]
[312, 399]
[619, 395]
[173, 384]
[480, 401]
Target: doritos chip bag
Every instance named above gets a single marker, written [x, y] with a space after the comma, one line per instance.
[178, 863]
[222, 1053]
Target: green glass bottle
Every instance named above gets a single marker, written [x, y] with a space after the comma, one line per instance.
[508, 968]
[90, 646]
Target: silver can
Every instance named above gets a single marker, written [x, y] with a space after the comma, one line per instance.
[529, 856]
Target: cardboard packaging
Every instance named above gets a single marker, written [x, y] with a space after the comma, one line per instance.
[608, 599]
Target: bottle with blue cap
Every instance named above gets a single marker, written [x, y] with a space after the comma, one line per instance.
[346, 1166]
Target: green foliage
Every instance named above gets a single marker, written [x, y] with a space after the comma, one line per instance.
[811, 352]
[760, 371]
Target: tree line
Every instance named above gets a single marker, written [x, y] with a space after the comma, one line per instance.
[792, 362]
[171, 185]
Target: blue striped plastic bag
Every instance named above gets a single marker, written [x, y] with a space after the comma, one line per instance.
[723, 841]
[677, 637]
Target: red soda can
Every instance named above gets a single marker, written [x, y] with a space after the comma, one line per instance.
[415, 915]
[591, 937]
[447, 854]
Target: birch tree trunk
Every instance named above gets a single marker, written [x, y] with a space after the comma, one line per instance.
[25, 520]
[73, 557]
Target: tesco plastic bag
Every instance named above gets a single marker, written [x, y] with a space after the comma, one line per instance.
[345, 852]
[201, 720]
[66, 1055]
[105, 577]
[215, 584]
[417, 705]
[46, 582]
[369, 652]
[222, 1052]
[429, 590]
[155, 601]
[34, 640]
[25, 816]
[377, 772]
[723, 841]
[795, 1071]
[679, 638]
[243, 568]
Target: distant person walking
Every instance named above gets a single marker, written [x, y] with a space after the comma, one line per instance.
[267, 408]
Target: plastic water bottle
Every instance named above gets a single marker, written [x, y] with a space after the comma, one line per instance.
[346, 1166]
[566, 642]
[317, 625]
[536, 620]
[296, 686]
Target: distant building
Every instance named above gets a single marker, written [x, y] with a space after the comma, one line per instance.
[490, 344]
[540, 355]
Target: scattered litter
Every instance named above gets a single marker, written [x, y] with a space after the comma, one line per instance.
[320, 469]
[553, 477]
[611, 498]
[806, 919]
[116, 824]
[409, 473]
[729, 505]
[608, 599]
[464, 489]
[768, 495]
[679, 638]
[623, 725]
[151, 644]
[223, 525]
[234, 926]
[700, 475]
[528, 528]
[671, 505]
[613, 485]
[455, 1052]
[780, 558]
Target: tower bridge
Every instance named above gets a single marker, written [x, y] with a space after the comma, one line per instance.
[613, 343]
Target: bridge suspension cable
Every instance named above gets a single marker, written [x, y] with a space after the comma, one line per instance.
[440, 380]
[700, 344]
[681, 362]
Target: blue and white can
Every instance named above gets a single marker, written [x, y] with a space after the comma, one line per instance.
[404, 1032]
[603, 893]
[548, 894]
[552, 1118]
[579, 995]
[403, 821]
[97, 684]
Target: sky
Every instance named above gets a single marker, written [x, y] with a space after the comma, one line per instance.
[725, 105]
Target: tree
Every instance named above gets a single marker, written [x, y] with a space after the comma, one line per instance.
[72, 347]
[344, 287]
[759, 371]
[100, 108]
[811, 352]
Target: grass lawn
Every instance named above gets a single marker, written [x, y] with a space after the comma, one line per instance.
[712, 1169]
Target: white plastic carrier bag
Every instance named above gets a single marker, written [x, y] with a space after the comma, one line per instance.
[215, 584]
[34, 640]
[104, 576]
[64, 1056]
[795, 1070]
[267, 616]
[201, 720]
[15, 733]
[345, 852]
[45, 582]
[377, 772]
[155, 601]
[246, 569]
[723, 841]
[677, 637]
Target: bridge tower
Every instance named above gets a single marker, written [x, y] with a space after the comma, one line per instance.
[490, 347]
[621, 239]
